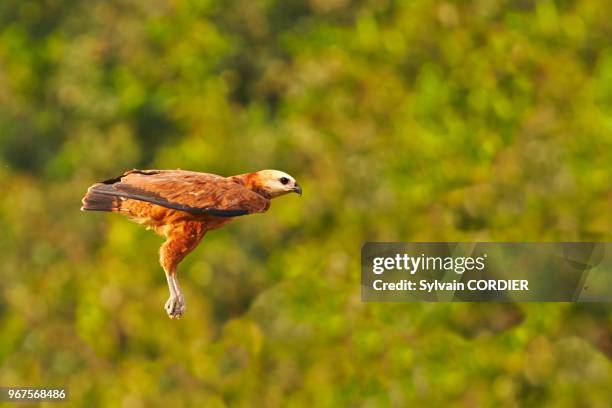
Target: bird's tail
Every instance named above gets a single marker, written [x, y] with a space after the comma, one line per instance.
[97, 200]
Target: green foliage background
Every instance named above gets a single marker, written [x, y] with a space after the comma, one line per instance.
[408, 120]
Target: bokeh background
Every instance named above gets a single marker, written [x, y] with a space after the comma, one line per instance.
[414, 120]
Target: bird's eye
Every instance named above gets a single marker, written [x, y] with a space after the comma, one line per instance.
[284, 180]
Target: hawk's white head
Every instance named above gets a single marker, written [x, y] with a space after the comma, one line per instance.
[273, 183]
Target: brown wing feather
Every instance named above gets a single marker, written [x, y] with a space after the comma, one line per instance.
[192, 192]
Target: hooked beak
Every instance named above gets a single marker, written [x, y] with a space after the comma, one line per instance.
[297, 189]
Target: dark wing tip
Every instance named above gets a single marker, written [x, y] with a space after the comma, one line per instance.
[224, 213]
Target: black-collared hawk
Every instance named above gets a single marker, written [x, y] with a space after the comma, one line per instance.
[183, 205]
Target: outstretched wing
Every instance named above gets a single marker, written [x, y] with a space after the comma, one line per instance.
[192, 192]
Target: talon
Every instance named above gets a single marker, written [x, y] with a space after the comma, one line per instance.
[175, 307]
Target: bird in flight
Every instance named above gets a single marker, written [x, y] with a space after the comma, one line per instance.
[183, 205]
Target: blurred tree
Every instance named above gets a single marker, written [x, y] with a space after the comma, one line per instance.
[403, 120]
